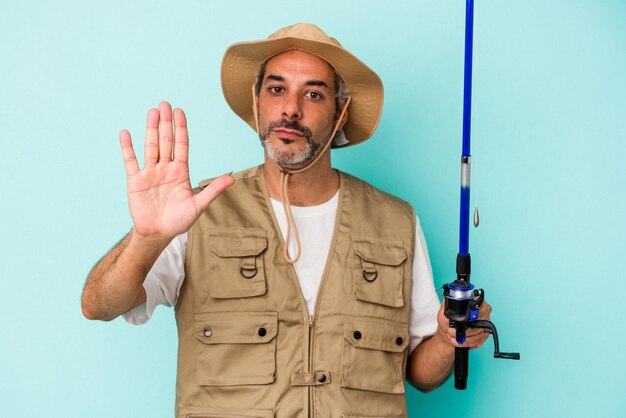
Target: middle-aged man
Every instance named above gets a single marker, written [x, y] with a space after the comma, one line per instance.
[300, 291]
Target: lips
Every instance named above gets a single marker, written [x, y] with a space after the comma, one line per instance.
[288, 133]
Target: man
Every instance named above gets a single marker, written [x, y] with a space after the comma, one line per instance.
[300, 291]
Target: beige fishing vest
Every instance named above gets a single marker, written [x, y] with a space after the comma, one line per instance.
[247, 345]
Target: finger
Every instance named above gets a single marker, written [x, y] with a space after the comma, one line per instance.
[181, 139]
[476, 341]
[128, 153]
[485, 311]
[165, 132]
[468, 331]
[151, 143]
[472, 341]
[211, 191]
[452, 332]
[476, 335]
[475, 331]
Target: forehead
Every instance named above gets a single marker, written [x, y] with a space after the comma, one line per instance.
[300, 64]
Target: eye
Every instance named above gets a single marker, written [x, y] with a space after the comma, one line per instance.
[275, 89]
[314, 95]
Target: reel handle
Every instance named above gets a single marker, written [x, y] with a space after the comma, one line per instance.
[490, 328]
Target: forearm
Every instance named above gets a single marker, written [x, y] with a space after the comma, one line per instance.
[114, 285]
[431, 363]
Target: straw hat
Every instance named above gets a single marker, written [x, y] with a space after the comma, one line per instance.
[242, 61]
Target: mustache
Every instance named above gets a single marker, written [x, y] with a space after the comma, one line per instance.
[306, 132]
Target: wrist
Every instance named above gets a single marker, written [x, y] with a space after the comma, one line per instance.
[149, 243]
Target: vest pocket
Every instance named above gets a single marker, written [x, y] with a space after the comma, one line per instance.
[379, 272]
[236, 348]
[236, 263]
[373, 356]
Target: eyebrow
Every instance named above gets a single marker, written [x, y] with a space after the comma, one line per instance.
[274, 78]
[318, 83]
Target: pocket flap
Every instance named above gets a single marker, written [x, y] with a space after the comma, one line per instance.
[238, 243]
[376, 334]
[387, 252]
[369, 416]
[230, 413]
[236, 327]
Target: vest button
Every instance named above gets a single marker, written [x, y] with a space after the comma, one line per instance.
[262, 332]
[207, 332]
[321, 377]
[357, 335]
[399, 341]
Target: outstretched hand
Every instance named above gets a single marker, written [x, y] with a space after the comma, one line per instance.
[160, 197]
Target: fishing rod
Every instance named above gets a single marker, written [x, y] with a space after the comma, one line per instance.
[462, 300]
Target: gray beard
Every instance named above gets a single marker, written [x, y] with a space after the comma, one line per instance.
[291, 160]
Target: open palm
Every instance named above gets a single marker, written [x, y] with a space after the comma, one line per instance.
[161, 201]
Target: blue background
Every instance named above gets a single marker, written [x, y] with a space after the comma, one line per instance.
[549, 173]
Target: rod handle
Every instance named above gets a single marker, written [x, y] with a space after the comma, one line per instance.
[461, 359]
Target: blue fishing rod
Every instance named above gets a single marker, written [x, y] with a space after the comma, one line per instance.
[462, 300]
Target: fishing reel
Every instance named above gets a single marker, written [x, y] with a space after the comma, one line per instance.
[462, 304]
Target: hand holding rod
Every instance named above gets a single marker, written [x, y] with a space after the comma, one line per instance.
[463, 303]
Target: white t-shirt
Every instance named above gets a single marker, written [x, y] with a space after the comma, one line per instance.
[315, 227]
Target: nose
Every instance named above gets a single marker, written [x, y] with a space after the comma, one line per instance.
[292, 109]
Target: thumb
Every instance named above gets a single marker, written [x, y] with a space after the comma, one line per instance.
[210, 192]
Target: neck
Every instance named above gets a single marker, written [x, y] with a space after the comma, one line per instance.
[311, 187]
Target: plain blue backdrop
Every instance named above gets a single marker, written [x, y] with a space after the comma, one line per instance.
[549, 175]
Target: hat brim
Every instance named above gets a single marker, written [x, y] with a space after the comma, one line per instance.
[242, 61]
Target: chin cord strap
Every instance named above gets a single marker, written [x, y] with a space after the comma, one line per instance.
[284, 181]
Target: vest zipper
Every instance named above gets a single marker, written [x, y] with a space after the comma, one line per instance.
[310, 366]
[320, 290]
